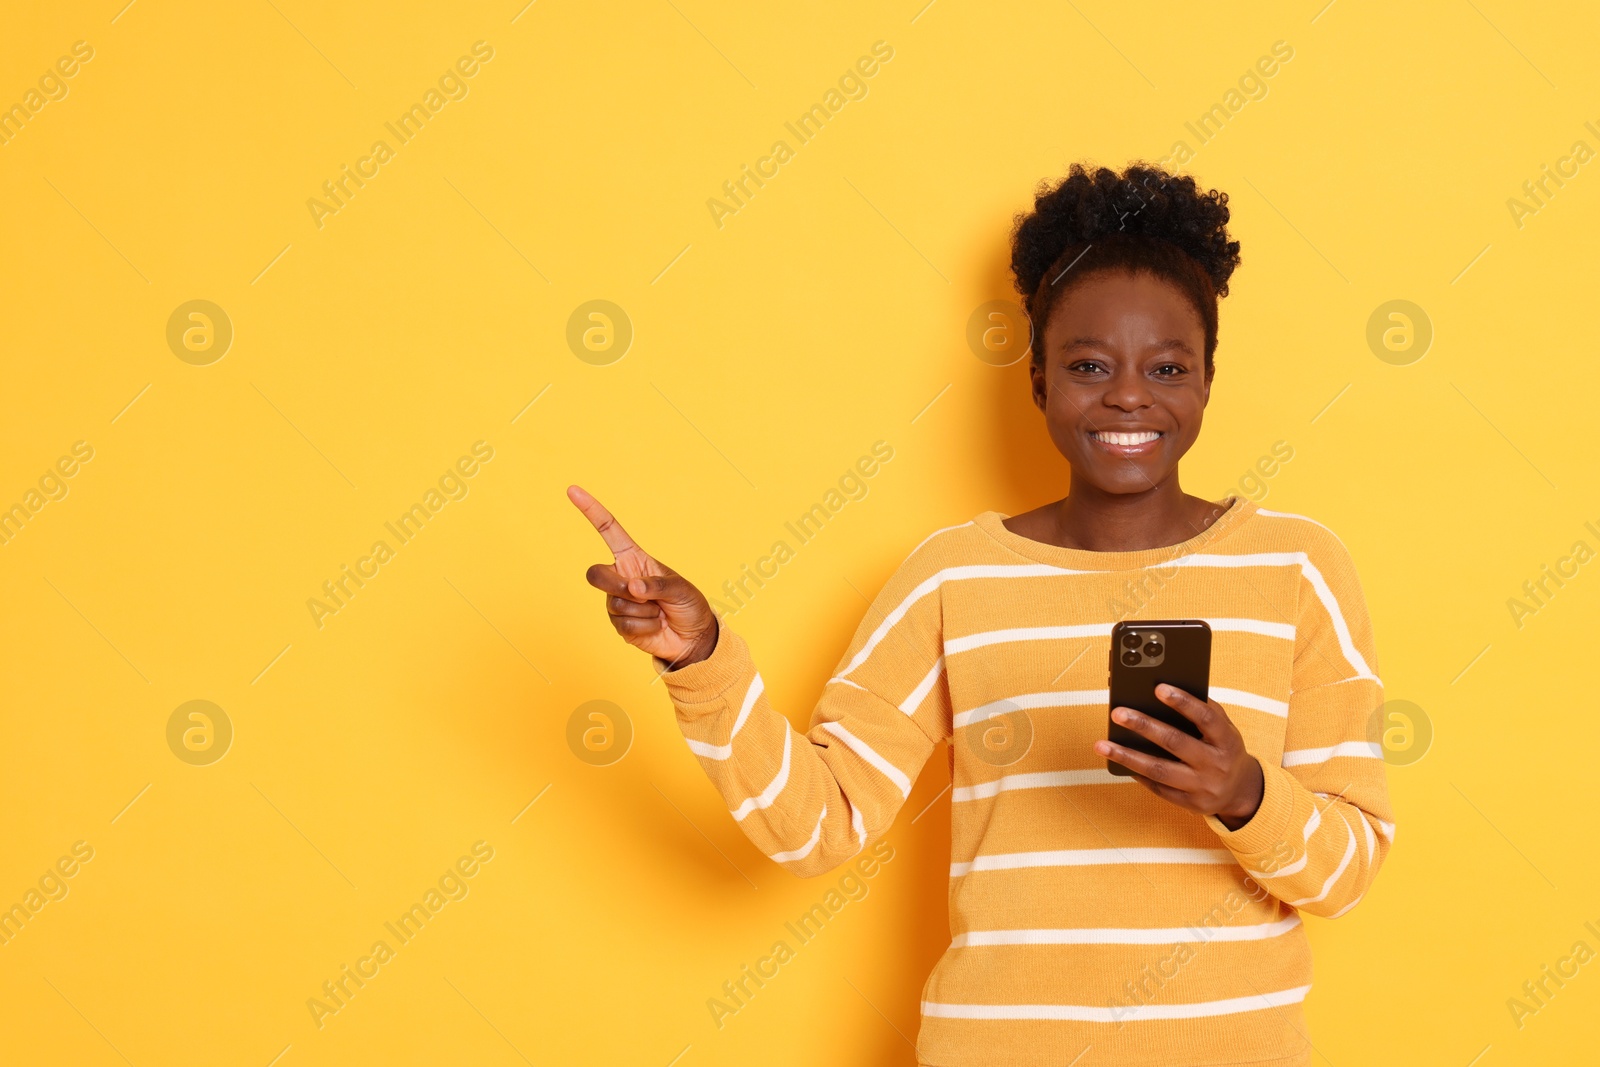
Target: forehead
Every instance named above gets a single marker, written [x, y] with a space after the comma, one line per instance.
[1129, 306]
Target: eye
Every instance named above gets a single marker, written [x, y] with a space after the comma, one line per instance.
[1170, 370]
[1085, 366]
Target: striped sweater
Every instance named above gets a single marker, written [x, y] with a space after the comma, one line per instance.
[1088, 917]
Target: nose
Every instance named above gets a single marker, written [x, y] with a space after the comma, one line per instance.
[1127, 390]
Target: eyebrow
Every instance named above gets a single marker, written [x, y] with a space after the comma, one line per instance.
[1099, 344]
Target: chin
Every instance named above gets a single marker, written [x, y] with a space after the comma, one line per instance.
[1126, 482]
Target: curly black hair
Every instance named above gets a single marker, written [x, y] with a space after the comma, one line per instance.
[1144, 220]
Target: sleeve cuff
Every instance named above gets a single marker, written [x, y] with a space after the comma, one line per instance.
[1269, 825]
[705, 682]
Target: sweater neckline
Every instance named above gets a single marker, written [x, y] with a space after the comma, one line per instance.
[992, 523]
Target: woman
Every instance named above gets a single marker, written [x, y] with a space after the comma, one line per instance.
[1090, 917]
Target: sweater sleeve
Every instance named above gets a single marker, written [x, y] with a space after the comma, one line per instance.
[812, 800]
[1325, 825]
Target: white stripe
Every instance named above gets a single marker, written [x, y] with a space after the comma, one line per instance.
[1177, 935]
[1299, 757]
[769, 794]
[1349, 854]
[1240, 698]
[1309, 571]
[936, 533]
[1037, 780]
[1282, 630]
[1342, 681]
[1025, 633]
[952, 646]
[1064, 698]
[722, 752]
[852, 685]
[804, 850]
[924, 687]
[1346, 644]
[1291, 515]
[865, 751]
[1088, 857]
[1372, 839]
[1386, 829]
[1346, 908]
[928, 585]
[856, 823]
[1090, 1014]
[1074, 697]
[1282, 872]
[1241, 559]
[1298, 865]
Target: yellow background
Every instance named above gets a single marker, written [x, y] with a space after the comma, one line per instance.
[768, 355]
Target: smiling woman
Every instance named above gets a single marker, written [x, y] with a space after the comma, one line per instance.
[1120, 276]
[1066, 885]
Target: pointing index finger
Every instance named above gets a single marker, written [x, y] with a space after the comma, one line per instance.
[616, 538]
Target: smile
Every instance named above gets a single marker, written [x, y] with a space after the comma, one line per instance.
[1143, 437]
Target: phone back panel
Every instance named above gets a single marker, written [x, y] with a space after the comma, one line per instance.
[1146, 654]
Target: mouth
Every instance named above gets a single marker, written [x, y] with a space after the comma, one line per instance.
[1127, 443]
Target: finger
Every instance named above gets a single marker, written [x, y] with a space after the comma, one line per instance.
[1165, 771]
[1208, 715]
[616, 538]
[632, 628]
[617, 605]
[1169, 737]
[668, 588]
[604, 577]
[1167, 792]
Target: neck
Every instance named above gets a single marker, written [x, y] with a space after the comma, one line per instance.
[1093, 519]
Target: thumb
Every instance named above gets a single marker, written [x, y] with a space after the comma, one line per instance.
[667, 589]
[685, 611]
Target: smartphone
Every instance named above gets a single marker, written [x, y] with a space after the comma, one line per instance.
[1145, 654]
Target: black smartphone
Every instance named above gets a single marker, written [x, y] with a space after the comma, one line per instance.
[1144, 655]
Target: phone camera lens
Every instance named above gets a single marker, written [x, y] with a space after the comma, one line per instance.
[1130, 640]
[1130, 659]
[1152, 649]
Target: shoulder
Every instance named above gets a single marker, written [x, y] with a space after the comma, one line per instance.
[956, 545]
[1284, 531]
[933, 556]
[1335, 593]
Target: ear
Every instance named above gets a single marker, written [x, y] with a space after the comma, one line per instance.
[1040, 386]
[1205, 396]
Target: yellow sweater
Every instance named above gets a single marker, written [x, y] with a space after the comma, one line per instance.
[1088, 916]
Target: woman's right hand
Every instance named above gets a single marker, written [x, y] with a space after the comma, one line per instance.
[651, 605]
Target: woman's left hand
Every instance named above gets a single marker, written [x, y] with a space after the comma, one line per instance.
[1213, 774]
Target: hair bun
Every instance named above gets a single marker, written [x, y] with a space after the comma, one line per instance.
[1143, 199]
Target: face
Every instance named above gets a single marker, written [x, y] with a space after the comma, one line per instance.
[1123, 384]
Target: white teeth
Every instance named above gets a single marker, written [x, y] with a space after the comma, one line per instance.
[1142, 438]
